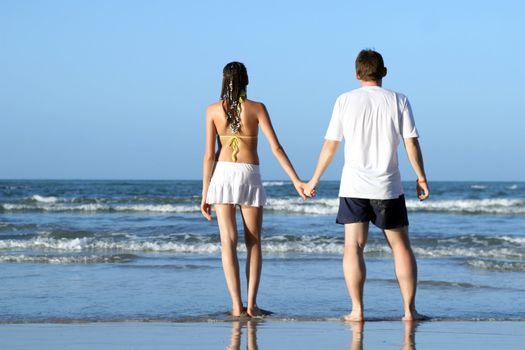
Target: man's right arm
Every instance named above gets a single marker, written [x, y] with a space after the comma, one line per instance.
[416, 159]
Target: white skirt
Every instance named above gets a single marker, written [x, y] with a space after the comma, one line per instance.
[236, 183]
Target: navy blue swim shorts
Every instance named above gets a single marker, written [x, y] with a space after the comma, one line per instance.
[384, 213]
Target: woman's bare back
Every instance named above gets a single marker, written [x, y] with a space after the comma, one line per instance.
[240, 147]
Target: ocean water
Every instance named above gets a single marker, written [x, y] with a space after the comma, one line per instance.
[74, 251]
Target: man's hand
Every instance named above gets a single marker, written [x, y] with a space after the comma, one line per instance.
[206, 210]
[422, 190]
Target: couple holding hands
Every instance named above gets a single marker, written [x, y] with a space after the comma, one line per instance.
[373, 121]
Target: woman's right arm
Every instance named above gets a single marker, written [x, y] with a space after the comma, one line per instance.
[278, 151]
[328, 152]
[207, 164]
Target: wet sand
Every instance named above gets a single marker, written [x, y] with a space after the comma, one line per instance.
[264, 334]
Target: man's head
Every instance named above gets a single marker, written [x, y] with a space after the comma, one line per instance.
[369, 66]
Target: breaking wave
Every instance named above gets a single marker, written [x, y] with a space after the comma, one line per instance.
[291, 205]
[43, 199]
[497, 265]
[464, 246]
[93, 207]
[66, 259]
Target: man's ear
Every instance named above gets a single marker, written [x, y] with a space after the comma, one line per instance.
[357, 76]
[385, 72]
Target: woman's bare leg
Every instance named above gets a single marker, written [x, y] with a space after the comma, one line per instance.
[354, 267]
[252, 219]
[230, 263]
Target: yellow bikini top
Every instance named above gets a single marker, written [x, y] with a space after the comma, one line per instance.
[234, 143]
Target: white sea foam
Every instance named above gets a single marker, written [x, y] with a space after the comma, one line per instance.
[43, 199]
[272, 245]
[470, 252]
[163, 208]
[515, 240]
[78, 245]
[94, 207]
[497, 265]
[316, 206]
[56, 259]
[273, 183]
[319, 206]
[329, 206]
[513, 187]
[471, 206]
[478, 187]
[90, 244]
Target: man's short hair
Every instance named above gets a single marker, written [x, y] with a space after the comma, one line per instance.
[369, 65]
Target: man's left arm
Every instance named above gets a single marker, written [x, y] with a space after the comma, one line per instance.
[416, 160]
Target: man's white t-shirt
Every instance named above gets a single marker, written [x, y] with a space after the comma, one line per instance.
[372, 121]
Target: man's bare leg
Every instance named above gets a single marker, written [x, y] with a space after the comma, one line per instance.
[354, 267]
[230, 263]
[405, 268]
[252, 219]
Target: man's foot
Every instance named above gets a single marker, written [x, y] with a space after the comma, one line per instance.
[354, 317]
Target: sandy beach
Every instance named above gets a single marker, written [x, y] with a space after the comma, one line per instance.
[266, 335]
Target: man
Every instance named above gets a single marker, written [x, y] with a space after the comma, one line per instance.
[373, 120]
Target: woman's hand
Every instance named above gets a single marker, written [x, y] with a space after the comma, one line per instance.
[206, 209]
[299, 187]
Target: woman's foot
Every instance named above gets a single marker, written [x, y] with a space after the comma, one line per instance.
[238, 311]
[414, 316]
[255, 312]
[354, 317]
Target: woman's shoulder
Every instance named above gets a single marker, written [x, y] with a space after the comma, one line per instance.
[256, 105]
[216, 105]
[214, 109]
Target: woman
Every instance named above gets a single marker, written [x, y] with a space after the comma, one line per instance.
[231, 177]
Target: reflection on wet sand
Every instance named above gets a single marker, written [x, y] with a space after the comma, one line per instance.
[236, 334]
[409, 335]
[358, 331]
[357, 335]
[409, 339]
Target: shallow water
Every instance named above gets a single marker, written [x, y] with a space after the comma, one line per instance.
[140, 250]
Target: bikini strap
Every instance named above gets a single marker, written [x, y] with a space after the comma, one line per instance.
[234, 143]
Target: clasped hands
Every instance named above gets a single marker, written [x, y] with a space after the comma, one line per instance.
[305, 189]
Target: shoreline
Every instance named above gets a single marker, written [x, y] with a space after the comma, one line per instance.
[228, 320]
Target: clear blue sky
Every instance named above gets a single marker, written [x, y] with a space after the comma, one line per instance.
[106, 89]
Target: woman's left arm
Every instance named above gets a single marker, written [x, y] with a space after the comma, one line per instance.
[278, 150]
[207, 164]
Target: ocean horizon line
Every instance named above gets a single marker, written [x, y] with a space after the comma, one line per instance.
[265, 180]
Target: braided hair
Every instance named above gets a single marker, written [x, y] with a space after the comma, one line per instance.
[233, 94]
